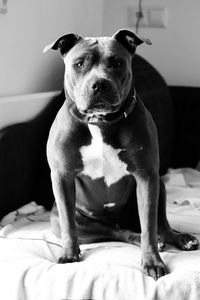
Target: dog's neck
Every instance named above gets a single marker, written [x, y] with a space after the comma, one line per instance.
[110, 118]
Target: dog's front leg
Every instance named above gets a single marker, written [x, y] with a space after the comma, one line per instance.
[64, 192]
[147, 198]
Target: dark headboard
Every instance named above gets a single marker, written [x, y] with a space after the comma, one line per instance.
[24, 172]
[186, 146]
[156, 97]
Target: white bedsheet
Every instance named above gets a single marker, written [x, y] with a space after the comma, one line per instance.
[107, 271]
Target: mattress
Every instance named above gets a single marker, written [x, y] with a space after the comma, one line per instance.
[107, 270]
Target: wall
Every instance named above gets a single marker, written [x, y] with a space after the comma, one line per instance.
[175, 50]
[27, 28]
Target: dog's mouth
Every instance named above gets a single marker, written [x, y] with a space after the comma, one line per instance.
[100, 110]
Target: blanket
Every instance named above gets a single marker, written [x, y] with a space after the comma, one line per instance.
[109, 270]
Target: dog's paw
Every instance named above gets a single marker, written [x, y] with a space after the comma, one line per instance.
[186, 242]
[69, 257]
[154, 267]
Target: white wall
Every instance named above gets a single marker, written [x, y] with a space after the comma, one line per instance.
[24, 31]
[176, 49]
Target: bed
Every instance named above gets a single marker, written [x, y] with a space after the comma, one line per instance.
[107, 270]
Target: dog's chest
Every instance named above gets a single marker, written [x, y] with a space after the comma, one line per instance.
[101, 159]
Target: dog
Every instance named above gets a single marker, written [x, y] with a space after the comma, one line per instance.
[104, 157]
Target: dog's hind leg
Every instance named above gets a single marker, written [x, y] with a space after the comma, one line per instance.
[182, 241]
[91, 231]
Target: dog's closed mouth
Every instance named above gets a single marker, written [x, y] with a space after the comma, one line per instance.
[101, 110]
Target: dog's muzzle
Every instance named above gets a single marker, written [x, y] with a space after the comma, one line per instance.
[100, 108]
[101, 116]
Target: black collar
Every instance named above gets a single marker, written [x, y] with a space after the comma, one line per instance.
[109, 118]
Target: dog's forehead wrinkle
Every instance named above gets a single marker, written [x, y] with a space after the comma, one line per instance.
[103, 45]
[92, 41]
[85, 50]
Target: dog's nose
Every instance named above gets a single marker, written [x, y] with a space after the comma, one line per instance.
[95, 86]
[99, 85]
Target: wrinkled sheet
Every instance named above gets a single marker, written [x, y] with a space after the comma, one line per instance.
[107, 271]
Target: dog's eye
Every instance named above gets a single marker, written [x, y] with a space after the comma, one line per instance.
[80, 64]
[117, 63]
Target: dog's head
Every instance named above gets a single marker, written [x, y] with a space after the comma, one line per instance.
[98, 71]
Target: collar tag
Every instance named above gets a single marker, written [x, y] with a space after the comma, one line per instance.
[131, 106]
[94, 119]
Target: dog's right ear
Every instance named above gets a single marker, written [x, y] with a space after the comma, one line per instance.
[64, 43]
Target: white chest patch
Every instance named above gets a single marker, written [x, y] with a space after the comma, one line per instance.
[102, 160]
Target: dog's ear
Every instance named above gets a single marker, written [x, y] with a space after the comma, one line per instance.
[130, 40]
[64, 43]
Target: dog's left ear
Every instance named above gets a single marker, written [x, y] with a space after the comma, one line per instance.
[130, 40]
[64, 43]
